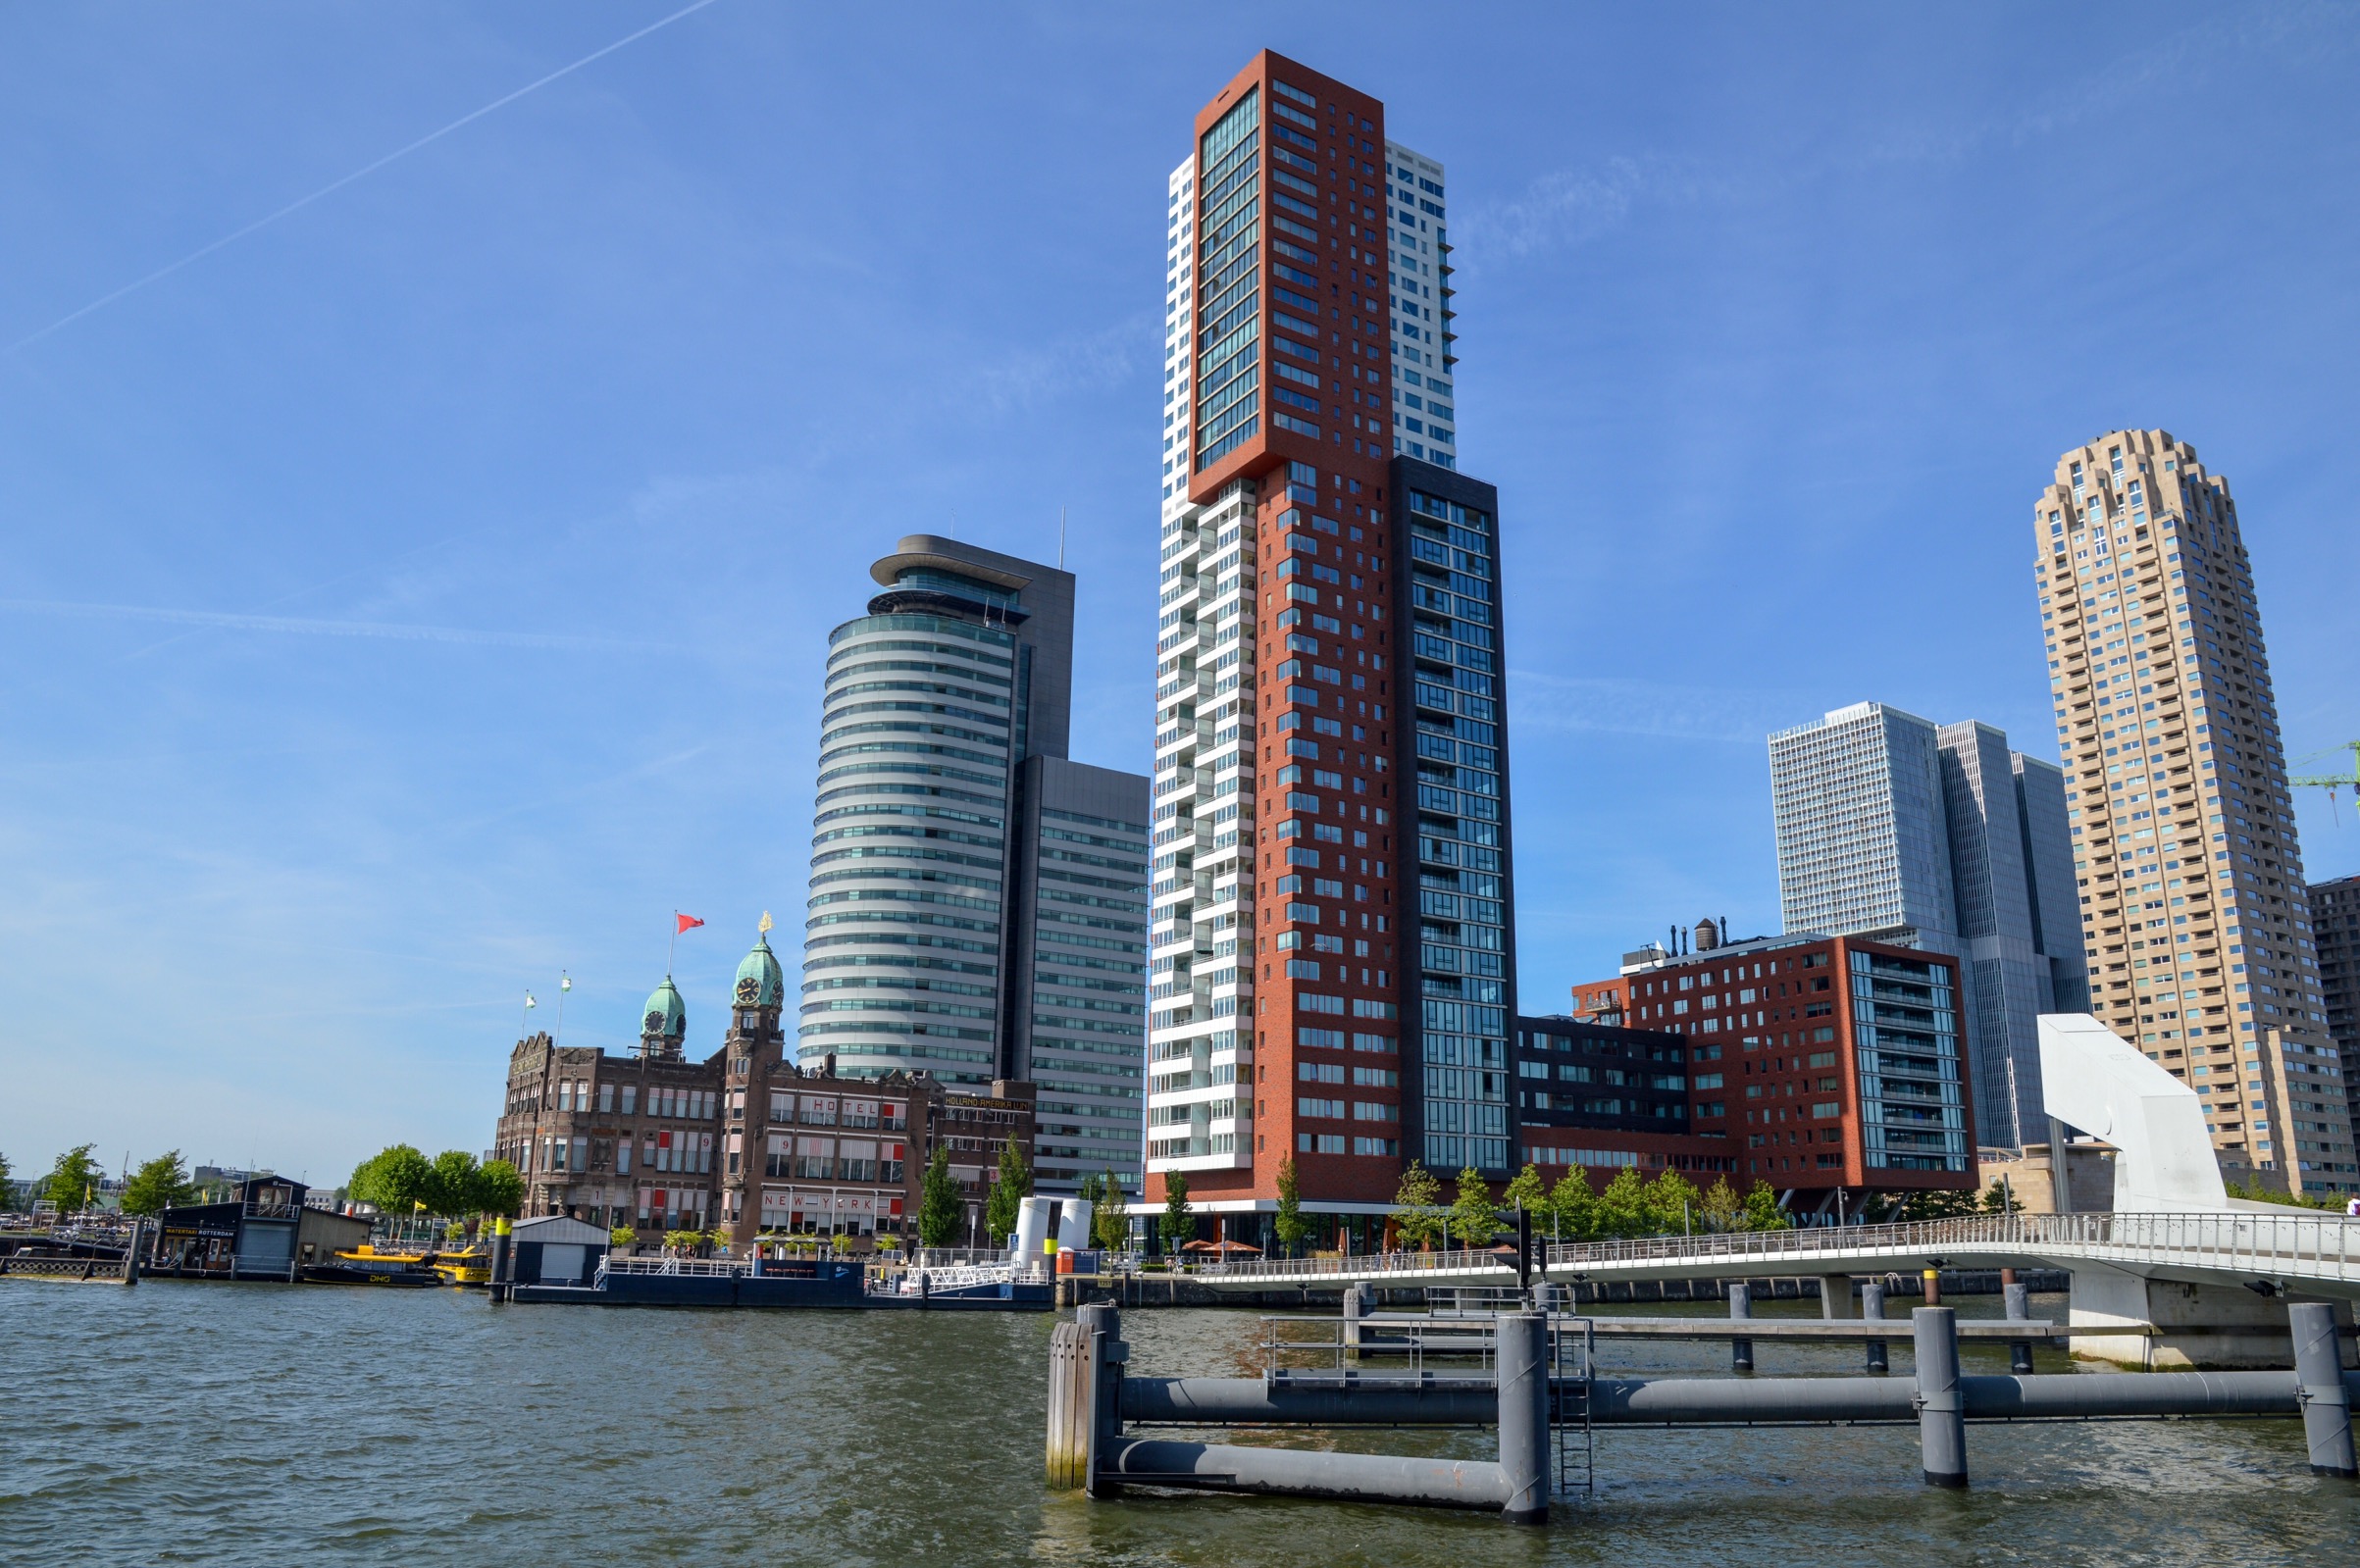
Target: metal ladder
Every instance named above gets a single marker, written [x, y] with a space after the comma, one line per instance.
[1573, 1358]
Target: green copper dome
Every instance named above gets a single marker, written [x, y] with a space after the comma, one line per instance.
[759, 983]
[664, 1018]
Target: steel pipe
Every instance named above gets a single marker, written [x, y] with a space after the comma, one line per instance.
[1305, 1473]
[1941, 1415]
[1251, 1402]
[1743, 1401]
[2018, 1308]
[1524, 1415]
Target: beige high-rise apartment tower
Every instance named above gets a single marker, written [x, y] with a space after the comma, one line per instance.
[2190, 881]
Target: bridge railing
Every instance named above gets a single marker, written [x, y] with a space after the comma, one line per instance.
[2312, 1243]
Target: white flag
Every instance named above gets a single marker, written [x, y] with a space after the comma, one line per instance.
[529, 1001]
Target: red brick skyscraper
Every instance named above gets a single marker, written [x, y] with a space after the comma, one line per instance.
[1277, 935]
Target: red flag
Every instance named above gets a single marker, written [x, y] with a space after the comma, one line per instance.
[686, 923]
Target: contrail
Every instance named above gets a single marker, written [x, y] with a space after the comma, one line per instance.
[389, 630]
[362, 173]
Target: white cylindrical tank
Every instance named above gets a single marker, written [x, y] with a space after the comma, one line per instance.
[1073, 1225]
[1032, 1229]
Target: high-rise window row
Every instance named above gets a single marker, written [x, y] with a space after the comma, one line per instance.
[2185, 862]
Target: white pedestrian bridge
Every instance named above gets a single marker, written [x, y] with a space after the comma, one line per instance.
[2316, 1254]
[2152, 1290]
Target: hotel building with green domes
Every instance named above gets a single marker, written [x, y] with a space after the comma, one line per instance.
[741, 1141]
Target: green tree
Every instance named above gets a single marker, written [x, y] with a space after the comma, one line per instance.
[73, 1182]
[1622, 1208]
[1417, 1216]
[1573, 1207]
[1474, 1218]
[1178, 1223]
[1290, 1223]
[1761, 1210]
[394, 1178]
[1671, 1204]
[2000, 1198]
[1111, 1221]
[452, 1185]
[1008, 1192]
[621, 1236]
[1723, 1208]
[939, 1206]
[157, 1184]
[2256, 1192]
[1527, 1193]
[499, 1189]
[8, 1185]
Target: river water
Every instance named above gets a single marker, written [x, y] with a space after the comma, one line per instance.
[184, 1422]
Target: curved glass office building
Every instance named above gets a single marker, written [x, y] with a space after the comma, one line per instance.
[978, 900]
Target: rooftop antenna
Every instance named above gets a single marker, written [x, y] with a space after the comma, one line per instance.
[1061, 539]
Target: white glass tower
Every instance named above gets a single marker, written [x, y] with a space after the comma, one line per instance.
[1426, 347]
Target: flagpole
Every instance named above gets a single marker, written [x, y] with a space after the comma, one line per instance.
[671, 945]
[565, 982]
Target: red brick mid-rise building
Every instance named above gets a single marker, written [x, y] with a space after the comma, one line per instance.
[1822, 1065]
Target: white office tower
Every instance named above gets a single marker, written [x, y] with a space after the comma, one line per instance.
[976, 896]
[1425, 358]
[1893, 828]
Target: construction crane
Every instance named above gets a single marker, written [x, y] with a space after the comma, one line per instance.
[2335, 781]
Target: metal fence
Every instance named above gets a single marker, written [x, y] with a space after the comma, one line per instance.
[2314, 1247]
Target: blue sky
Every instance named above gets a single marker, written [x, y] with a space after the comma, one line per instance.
[425, 591]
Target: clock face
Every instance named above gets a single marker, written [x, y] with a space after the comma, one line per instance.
[654, 1024]
[747, 989]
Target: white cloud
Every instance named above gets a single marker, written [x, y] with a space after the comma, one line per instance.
[1617, 706]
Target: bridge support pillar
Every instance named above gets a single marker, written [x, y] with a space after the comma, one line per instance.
[1941, 1414]
[2326, 1398]
[2172, 1326]
[1741, 1308]
[1835, 1295]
